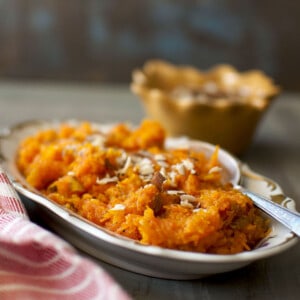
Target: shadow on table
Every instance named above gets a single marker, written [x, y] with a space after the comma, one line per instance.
[264, 279]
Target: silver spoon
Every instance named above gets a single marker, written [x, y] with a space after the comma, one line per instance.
[286, 217]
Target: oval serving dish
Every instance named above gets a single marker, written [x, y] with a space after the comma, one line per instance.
[129, 254]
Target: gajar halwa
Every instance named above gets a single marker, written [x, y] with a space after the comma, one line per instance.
[126, 181]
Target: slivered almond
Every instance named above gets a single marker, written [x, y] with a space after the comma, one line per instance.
[188, 198]
[106, 180]
[186, 203]
[126, 166]
[118, 207]
[175, 192]
[214, 169]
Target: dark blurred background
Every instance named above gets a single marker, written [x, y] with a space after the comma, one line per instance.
[103, 41]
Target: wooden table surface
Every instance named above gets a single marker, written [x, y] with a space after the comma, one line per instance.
[275, 153]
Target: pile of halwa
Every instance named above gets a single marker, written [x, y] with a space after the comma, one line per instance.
[126, 181]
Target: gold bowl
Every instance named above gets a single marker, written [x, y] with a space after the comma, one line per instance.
[221, 106]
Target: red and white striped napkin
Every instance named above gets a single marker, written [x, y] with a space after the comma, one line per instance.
[36, 264]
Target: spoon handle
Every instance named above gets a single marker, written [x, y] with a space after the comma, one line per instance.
[285, 216]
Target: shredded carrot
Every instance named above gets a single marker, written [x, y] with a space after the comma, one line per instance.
[126, 181]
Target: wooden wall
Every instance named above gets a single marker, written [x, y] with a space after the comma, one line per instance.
[103, 41]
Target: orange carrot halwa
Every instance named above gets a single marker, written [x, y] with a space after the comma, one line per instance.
[126, 181]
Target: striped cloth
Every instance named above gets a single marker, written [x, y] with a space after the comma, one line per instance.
[36, 264]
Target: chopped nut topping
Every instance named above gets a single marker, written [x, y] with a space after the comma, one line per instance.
[214, 169]
[179, 168]
[106, 180]
[175, 192]
[188, 198]
[186, 203]
[126, 166]
[157, 204]
[158, 180]
[118, 207]
[145, 167]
